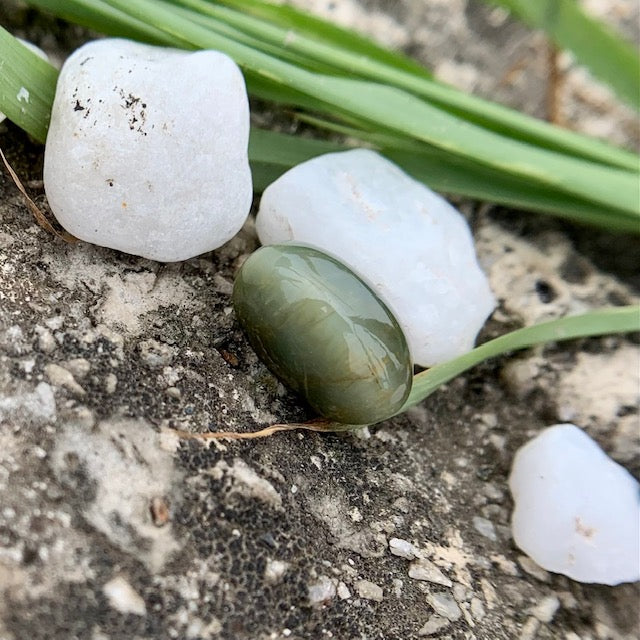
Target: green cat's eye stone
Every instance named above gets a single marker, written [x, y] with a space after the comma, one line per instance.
[324, 333]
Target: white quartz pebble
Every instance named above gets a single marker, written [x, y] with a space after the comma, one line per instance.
[147, 149]
[407, 242]
[577, 512]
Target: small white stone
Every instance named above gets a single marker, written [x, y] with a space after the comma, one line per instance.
[59, 377]
[477, 609]
[546, 609]
[322, 591]
[123, 597]
[110, 383]
[369, 590]
[577, 512]
[343, 591]
[78, 367]
[433, 625]
[423, 569]
[147, 149]
[402, 548]
[485, 527]
[411, 246]
[444, 605]
[274, 570]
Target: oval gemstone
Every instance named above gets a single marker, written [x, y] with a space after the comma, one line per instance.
[324, 333]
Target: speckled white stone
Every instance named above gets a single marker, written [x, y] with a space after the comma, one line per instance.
[577, 512]
[406, 241]
[147, 149]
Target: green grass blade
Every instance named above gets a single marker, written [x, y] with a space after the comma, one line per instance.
[380, 105]
[305, 25]
[604, 52]
[272, 153]
[27, 86]
[369, 105]
[493, 116]
[103, 18]
[452, 174]
[594, 323]
[324, 56]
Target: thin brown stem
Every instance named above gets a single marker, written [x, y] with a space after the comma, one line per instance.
[40, 217]
[319, 424]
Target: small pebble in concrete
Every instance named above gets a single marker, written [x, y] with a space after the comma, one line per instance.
[485, 527]
[275, 570]
[123, 597]
[343, 591]
[59, 377]
[321, 591]
[369, 590]
[159, 511]
[110, 383]
[402, 548]
[546, 609]
[433, 625]
[477, 609]
[78, 367]
[423, 569]
[444, 605]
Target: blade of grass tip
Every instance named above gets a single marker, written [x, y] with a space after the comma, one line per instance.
[380, 105]
[593, 323]
[27, 86]
[493, 116]
[595, 45]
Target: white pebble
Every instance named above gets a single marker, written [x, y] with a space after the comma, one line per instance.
[402, 548]
[123, 597]
[275, 570]
[369, 590]
[577, 512]
[485, 527]
[444, 605]
[147, 149]
[423, 569]
[407, 242]
[322, 591]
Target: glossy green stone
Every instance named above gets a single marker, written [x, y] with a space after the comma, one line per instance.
[324, 333]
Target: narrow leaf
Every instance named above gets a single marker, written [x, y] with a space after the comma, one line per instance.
[593, 323]
[27, 86]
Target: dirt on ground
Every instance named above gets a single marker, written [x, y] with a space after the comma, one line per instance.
[112, 528]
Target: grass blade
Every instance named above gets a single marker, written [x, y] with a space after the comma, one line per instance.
[287, 29]
[380, 105]
[304, 24]
[593, 323]
[27, 86]
[609, 196]
[605, 53]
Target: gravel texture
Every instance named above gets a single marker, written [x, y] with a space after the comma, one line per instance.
[111, 528]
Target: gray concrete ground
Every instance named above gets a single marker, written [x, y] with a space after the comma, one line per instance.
[111, 528]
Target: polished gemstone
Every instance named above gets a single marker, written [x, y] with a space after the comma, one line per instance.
[324, 332]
